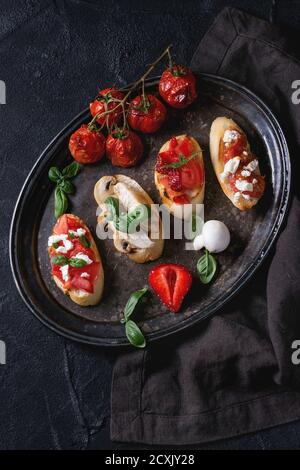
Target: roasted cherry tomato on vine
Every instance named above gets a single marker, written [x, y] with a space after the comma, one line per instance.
[106, 101]
[124, 148]
[87, 146]
[146, 113]
[177, 86]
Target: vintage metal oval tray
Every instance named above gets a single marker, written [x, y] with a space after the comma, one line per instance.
[252, 232]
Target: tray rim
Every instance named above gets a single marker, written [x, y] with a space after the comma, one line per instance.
[194, 319]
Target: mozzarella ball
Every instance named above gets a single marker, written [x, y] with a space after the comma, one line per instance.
[215, 237]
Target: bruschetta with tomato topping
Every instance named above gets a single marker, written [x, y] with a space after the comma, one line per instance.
[236, 167]
[179, 174]
[75, 261]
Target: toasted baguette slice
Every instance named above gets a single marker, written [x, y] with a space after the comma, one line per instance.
[218, 128]
[141, 247]
[82, 297]
[178, 209]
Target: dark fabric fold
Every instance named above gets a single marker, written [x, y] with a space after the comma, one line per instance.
[234, 373]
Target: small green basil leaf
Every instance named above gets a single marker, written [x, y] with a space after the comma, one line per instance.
[84, 241]
[182, 160]
[71, 170]
[54, 174]
[60, 260]
[60, 202]
[112, 204]
[67, 186]
[134, 334]
[77, 262]
[132, 302]
[137, 216]
[71, 235]
[206, 267]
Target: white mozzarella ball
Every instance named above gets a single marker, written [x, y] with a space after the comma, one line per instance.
[215, 237]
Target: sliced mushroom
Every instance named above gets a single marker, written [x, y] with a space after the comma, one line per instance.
[139, 246]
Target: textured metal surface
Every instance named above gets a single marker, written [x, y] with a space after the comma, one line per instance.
[252, 232]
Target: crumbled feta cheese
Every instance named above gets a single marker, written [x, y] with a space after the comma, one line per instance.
[65, 272]
[246, 196]
[244, 152]
[243, 185]
[230, 135]
[230, 167]
[245, 173]
[56, 238]
[65, 247]
[78, 233]
[84, 275]
[84, 258]
[236, 195]
[252, 165]
[254, 181]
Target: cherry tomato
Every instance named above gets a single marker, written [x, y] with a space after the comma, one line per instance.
[177, 86]
[105, 102]
[87, 146]
[124, 148]
[146, 114]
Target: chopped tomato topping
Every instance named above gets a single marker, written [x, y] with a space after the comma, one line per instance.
[183, 178]
[235, 148]
[183, 199]
[257, 181]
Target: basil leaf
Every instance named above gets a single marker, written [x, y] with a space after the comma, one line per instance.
[112, 204]
[61, 260]
[55, 245]
[77, 262]
[132, 302]
[54, 174]
[84, 241]
[206, 267]
[71, 170]
[67, 186]
[134, 334]
[136, 217]
[71, 235]
[60, 202]
[182, 160]
[128, 223]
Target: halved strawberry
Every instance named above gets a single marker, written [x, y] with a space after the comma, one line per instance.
[171, 282]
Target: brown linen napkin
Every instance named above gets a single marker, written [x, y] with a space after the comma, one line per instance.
[232, 374]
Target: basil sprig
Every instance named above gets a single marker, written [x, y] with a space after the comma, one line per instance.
[206, 267]
[182, 160]
[63, 186]
[63, 260]
[127, 222]
[84, 241]
[133, 332]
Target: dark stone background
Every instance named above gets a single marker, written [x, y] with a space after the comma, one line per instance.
[54, 56]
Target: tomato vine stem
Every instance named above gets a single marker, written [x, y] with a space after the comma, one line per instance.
[133, 87]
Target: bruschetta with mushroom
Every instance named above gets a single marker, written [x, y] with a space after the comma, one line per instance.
[129, 212]
[236, 167]
[75, 261]
[179, 174]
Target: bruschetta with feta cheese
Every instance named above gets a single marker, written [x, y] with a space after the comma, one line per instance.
[179, 174]
[75, 261]
[130, 214]
[236, 167]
